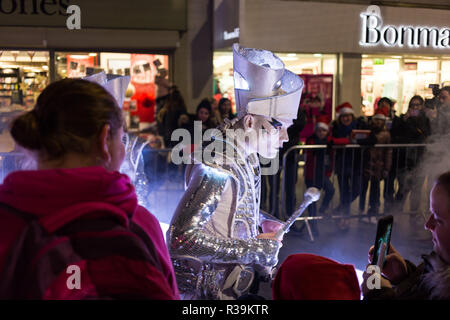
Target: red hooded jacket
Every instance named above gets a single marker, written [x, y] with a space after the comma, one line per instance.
[125, 258]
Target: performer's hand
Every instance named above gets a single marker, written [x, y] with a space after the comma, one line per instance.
[271, 226]
[270, 236]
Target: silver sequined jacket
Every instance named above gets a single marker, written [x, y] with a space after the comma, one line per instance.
[212, 237]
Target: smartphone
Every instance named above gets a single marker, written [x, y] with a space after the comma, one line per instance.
[384, 231]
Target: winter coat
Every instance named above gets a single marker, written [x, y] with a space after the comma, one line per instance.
[409, 130]
[348, 161]
[319, 162]
[428, 281]
[380, 159]
[117, 244]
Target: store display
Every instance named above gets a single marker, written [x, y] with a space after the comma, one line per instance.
[10, 85]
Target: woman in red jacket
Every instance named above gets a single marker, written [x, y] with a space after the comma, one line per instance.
[72, 229]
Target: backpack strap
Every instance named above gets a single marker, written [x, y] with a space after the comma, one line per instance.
[15, 267]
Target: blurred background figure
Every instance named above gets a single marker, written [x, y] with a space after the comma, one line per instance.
[413, 127]
[318, 169]
[376, 166]
[348, 161]
[225, 109]
[172, 116]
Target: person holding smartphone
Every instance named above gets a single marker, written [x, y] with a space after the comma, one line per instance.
[401, 279]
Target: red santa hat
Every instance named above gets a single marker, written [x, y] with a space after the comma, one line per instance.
[322, 122]
[344, 108]
[307, 276]
[381, 114]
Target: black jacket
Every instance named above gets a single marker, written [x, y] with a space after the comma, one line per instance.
[428, 281]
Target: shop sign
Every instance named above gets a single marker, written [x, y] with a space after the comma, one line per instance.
[226, 23]
[410, 66]
[231, 35]
[374, 33]
[34, 7]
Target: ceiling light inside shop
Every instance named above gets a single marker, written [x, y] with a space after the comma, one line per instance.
[92, 54]
[318, 55]
[45, 67]
[79, 56]
[291, 54]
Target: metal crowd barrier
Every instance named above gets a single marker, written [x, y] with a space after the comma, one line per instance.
[406, 158]
[166, 180]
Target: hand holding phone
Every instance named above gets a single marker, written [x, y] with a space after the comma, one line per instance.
[382, 241]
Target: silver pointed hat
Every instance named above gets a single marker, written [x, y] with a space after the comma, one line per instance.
[263, 86]
[115, 84]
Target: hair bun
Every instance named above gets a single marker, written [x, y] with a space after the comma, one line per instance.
[25, 131]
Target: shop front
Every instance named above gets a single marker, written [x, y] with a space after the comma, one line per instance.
[371, 52]
[38, 48]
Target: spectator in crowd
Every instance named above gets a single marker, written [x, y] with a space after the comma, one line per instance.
[393, 124]
[216, 118]
[318, 168]
[172, 116]
[307, 276]
[225, 109]
[401, 279]
[203, 114]
[377, 166]
[413, 127]
[348, 161]
[78, 206]
[162, 88]
[443, 112]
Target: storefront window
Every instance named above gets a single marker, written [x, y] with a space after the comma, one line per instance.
[140, 102]
[23, 75]
[400, 78]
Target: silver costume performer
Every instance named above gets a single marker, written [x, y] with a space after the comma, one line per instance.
[212, 237]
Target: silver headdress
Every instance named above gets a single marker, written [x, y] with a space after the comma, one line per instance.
[263, 86]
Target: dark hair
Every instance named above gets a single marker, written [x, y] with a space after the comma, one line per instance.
[222, 101]
[444, 181]
[175, 101]
[387, 100]
[67, 117]
[416, 97]
[205, 104]
[446, 88]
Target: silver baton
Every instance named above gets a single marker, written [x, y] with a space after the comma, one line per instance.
[311, 195]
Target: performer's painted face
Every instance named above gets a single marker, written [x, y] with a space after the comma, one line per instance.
[272, 133]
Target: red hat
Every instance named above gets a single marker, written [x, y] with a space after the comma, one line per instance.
[310, 277]
[380, 113]
[322, 122]
[344, 108]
